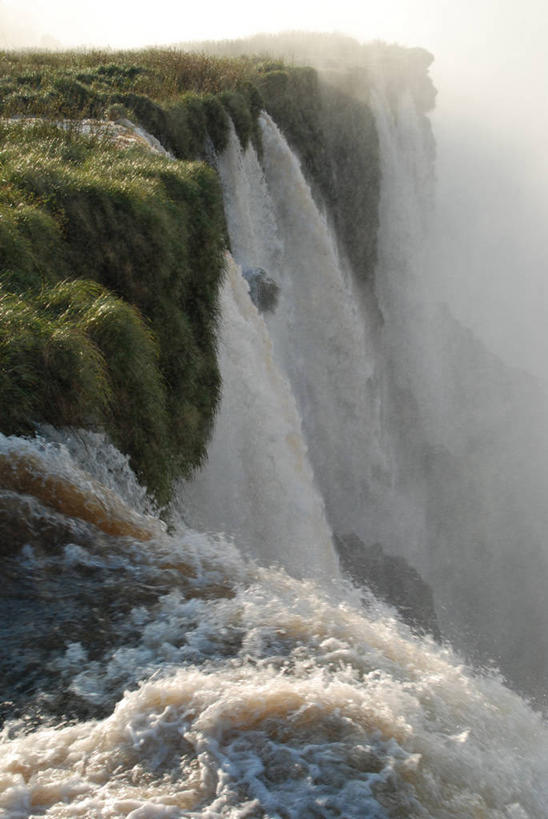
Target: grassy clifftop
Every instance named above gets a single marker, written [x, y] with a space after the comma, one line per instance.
[111, 257]
[184, 97]
[176, 96]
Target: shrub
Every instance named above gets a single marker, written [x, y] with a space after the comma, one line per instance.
[216, 121]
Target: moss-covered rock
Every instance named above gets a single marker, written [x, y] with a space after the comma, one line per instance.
[335, 136]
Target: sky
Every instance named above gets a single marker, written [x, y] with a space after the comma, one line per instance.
[490, 123]
[129, 24]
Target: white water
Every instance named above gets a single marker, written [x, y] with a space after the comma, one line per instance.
[320, 344]
[262, 695]
[257, 484]
[322, 340]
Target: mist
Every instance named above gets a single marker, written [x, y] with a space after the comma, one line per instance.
[490, 123]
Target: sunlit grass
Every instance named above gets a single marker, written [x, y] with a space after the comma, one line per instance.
[135, 352]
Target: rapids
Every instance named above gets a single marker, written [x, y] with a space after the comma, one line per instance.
[228, 689]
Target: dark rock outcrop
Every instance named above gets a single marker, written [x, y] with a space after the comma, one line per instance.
[390, 578]
[263, 290]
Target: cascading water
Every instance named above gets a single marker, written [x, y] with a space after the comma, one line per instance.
[319, 338]
[258, 695]
[258, 484]
[192, 682]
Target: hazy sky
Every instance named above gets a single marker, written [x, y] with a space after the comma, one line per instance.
[496, 29]
[126, 23]
[491, 122]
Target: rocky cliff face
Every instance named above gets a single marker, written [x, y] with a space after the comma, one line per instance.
[390, 578]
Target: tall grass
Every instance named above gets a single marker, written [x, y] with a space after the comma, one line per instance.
[151, 233]
[112, 260]
[177, 96]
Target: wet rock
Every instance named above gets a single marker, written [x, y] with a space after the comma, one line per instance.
[390, 578]
[263, 290]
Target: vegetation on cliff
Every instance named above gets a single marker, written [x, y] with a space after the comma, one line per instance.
[335, 137]
[111, 257]
[180, 98]
[110, 265]
[183, 98]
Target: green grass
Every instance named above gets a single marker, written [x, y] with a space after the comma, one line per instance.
[150, 232]
[183, 97]
[74, 355]
[77, 214]
[176, 96]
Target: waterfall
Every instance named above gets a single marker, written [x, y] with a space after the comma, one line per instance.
[320, 343]
[257, 484]
[203, 666]
[411, 340]
[383, 422]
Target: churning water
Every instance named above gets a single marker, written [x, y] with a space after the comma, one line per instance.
[161, 671]
[228, 689]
